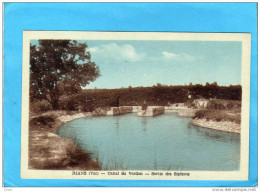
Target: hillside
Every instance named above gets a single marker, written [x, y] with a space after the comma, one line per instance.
[89, 99]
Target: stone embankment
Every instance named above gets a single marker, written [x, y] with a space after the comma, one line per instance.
[188, 112]
[120, 110]
[226, 126]
[174, 109]
[151, 111]
[67, 118]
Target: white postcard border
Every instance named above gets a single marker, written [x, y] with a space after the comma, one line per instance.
[242, 174]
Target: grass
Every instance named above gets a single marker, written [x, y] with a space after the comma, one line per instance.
[48, 151]
[218, 115]
[59, 153]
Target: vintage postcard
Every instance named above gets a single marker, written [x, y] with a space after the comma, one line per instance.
[135, 105]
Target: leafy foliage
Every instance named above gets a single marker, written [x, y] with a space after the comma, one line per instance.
[218, 115]
[59, 65]
[220, 104]
[40, 105]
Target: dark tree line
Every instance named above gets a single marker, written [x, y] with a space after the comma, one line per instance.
[156, 95]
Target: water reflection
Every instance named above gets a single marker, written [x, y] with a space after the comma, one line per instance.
[216, 135]
[144, 123]
[117, 121]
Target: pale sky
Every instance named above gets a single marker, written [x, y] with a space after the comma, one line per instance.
[146, 63]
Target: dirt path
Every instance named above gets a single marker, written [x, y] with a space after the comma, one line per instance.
[49, 151]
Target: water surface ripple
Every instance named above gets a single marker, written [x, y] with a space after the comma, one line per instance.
[165, 142]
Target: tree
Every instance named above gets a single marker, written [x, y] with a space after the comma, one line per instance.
[54, 62]
[214, 84]
[68, 87]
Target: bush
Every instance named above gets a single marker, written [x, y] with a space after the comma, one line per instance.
[218, 115]
[66, 154]
[44, 120]
[221, 104]
[76, 102]
[40, 106]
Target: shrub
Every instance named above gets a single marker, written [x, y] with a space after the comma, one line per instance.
[40, 106]
[218, 115]
[66, 154]
[45, 120]
[221, 104]
[76, 102]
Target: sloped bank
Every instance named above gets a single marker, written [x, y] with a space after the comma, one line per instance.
[49, 151]
[226, 126]
[222, 120]
[213, 119]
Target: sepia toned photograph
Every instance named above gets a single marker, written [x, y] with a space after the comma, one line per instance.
[135, 105]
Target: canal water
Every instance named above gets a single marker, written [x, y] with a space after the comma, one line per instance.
[165, 142]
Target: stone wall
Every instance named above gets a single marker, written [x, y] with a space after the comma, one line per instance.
[187, 112]
[151, 111]
[120, 110]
